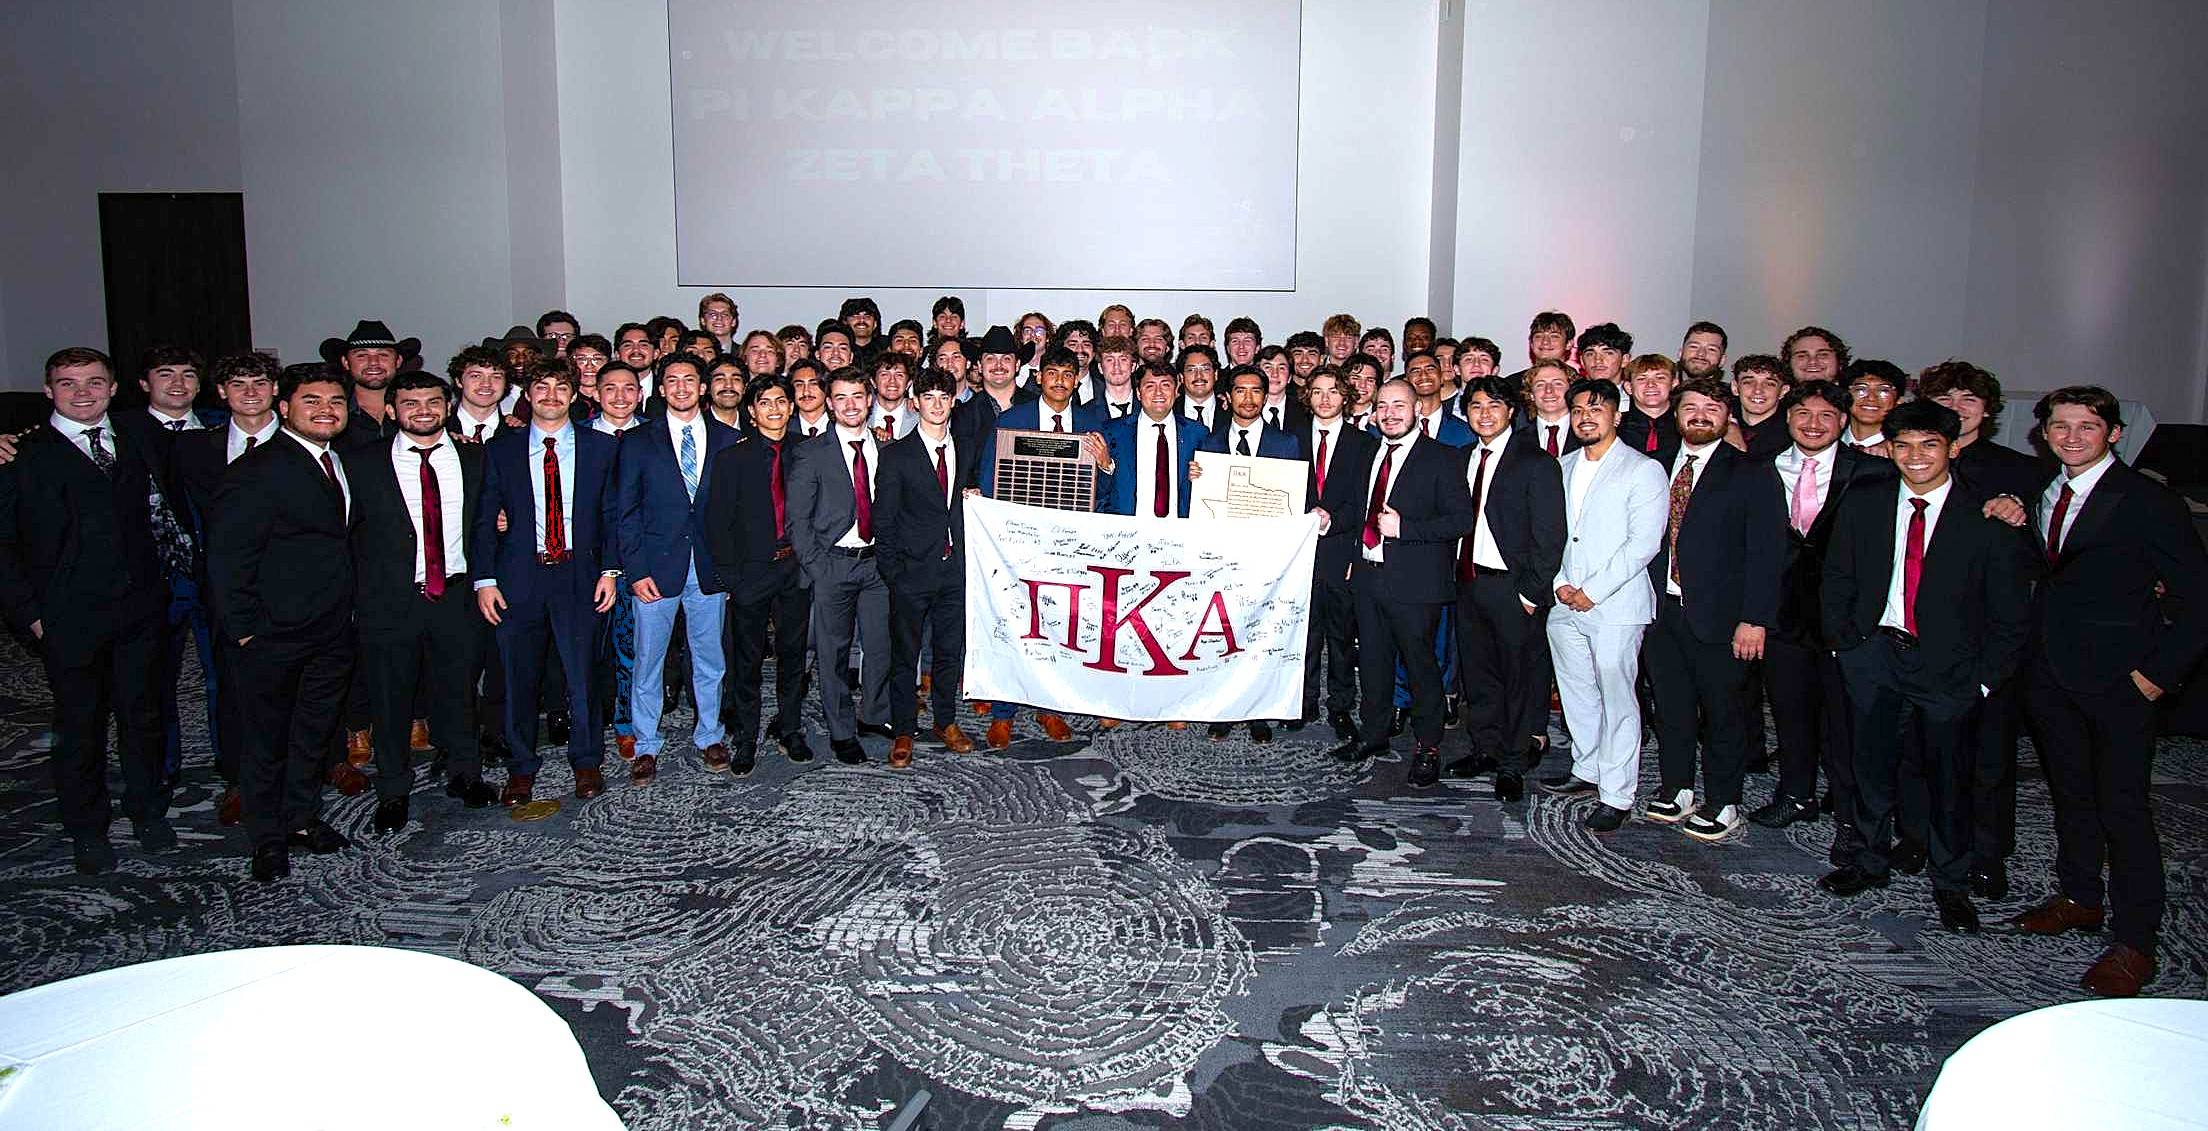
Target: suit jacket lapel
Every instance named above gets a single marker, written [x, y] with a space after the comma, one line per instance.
[2099, 507]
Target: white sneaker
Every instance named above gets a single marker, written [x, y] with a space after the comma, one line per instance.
[1671, 812]
[1703, 826]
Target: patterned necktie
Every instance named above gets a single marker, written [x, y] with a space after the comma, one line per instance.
[774, 490]
[862, 492]
[555, 521]
[1161, 482]
[2054, 528]
[101, 457]
[1552, 440]
[1682, 486]
[170, 543]
[1466, 569]
[433, 529]
[1319, 468]
[689, 461]
[1242, 446]
[1912, 566]
[1805, 496]
[943, 484]
[1379, 500]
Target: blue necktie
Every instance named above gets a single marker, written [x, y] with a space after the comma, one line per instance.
[690, 462]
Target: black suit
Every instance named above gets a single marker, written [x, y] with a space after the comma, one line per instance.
[1970, 614]
[1400, 599]
[78, 559]
[2096, 618]
[1331, 640]
[1730, 542]
[197, 463]
[1635, 428]
[411, 646]
[281, 567]
[1768, 438]
[765, 587]
[1505, 694]
[920, 538]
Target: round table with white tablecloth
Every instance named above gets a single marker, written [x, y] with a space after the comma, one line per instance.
[2137, 1065]
[294, 1037]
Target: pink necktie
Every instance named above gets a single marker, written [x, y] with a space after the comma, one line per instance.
[1805, 497]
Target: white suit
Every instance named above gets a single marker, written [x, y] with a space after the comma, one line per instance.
[1614, 525]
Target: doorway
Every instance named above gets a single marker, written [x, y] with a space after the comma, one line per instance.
[174, 264]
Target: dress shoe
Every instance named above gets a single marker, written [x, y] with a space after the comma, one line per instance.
[1425, 768]
[1344, 726]
[417, 738]
[848, 751]
[358, 749]
[1509, 786]
[999, 734]
[2058, 915]
[741, 761]
[1956, 913]
[646, 767]
[927, 685]
[1567, 785]
[318, 838]
[2121, 971]
[625, 746]
[1400, 723]
[1107, 724]
[347, 780]
[1353, 750]
[517, 789]
[878, 730]
[1606, 818]
[1851, 881]
[271, 862]
[1261, 731]
[954, 739]
[94, 856]
[1783, 812]
[1054, 727]
[1990, 882]
[1176, 724]
[900, 752]
[155, 835]
[591, 782]
[795, 747]
[470, 790]
[1471, 766]
[978, 706]
[1218, 732]
[390, 815]
[1907, 857]
[558, 727]
[714, 758]
[231, 809]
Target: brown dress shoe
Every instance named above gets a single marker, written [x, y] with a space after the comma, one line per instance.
[418, 738]
[231, 809]
[715, 757]
[358, 750]
[927, 685]
[517, 789]
[2120, 972]
[978, 706]
[900, 752]
[1000, 733]
[1053, 726]
[643, 770]
[1107, 724]
[347, 780]
[954, 739]
[2058, 915]
[590, 783]
[625, 745]
[1176, 725]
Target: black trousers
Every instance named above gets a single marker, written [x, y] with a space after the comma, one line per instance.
[2098, 751]
[1896, 703]
[229, 751]
[778, 597]
[930, 598]
[1809, 706]
[117, 672]
[556, 618]
[427, 655]
[1330, 647]
[1392, 631]
[1494, 667]
[292, 692]
[1993, 775]
[1697, 688]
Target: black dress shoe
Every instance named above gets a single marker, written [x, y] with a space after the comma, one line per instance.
[1567, 785]
[1354, 750]
[155, 835]
[1956, 913]
[94, 856]
[1850, 880]
[741, 760]
[878, 730]
[391, 815]
[271, 862]
[1218, 732]
[1344, 726]
[1783, 812]
[1509, 786]
[318, 838]
[1606, 818]
[1261, 731]
[794, 747]
[1990, 882]
[1425, 768]
[1401, 722]
[471, 790]
[1907, 857]
[1471, 766]
[848, 751]
[557, 727]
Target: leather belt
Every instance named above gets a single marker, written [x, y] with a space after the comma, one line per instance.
[860, 553]
[452, 581]
[1900, 636]
[782, 553]
[561, 558]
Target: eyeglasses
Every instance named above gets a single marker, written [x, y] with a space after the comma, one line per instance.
[1880, 390]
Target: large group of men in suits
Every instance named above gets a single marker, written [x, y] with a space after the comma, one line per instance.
[372, 560]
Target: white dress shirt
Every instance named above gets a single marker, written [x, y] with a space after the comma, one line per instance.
[236, 438]
[2081, 485]
[444, 462]
[1486, 554]
[1204, 412]
[564, 444]
[1701, 457]
[843, 439]
[1395, 475]
[316, 452]
[1903, 512]
[1848, 437]
[466, 423]
[1255, 431]
[1113, 410]
[1145, 470]
[605, 424]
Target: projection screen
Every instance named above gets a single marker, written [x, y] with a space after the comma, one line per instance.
[1020, 144]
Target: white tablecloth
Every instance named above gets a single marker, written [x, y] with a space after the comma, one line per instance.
[2138, 1065]
[302, 1038]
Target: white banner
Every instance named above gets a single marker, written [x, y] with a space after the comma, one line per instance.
[1137, 618]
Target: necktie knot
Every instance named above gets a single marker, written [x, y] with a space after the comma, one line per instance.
[1920, 504]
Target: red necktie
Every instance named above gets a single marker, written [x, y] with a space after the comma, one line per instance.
[1912, 566]
[433, 530]
[1057, 422]
[1682, 488]
[1649, 444]
[2054, 529]
[555, 522]
[1465, 568]
[1162, 485]
[862, 495]
[1426, 426]
[1552, 439]
[1319, 468]
[889, 422]
[943, 484]
[774, 488]
[1379, 499]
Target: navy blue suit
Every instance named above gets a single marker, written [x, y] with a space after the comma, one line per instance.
[659, 536]
[1127, 476]
[1033, 416]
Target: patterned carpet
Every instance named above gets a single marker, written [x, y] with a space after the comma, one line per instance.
[1137, 929]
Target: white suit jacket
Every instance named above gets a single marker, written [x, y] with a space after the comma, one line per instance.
[1614, 535]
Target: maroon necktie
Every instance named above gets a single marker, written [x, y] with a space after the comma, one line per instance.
[1912, 566]
[862, 497]
[889, 422]
[1426, 427]
[329, 471]
[1379, 498]
[774, 488]
[479, 433]
[1161, 486]
[1552, 439]
[2054, 529]
[1057, 422]
[1649, 444]
[1465, 568]
[433, 530]
[555, 523]
[1319, 468]
[943, 484]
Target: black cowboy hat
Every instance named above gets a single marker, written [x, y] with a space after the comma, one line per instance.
[545, 347]
[371, 335]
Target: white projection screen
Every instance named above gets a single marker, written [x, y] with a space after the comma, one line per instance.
[1019, 144]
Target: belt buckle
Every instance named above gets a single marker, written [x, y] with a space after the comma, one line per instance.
[782, 553]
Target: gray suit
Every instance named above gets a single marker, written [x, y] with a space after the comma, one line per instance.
[847, 591]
